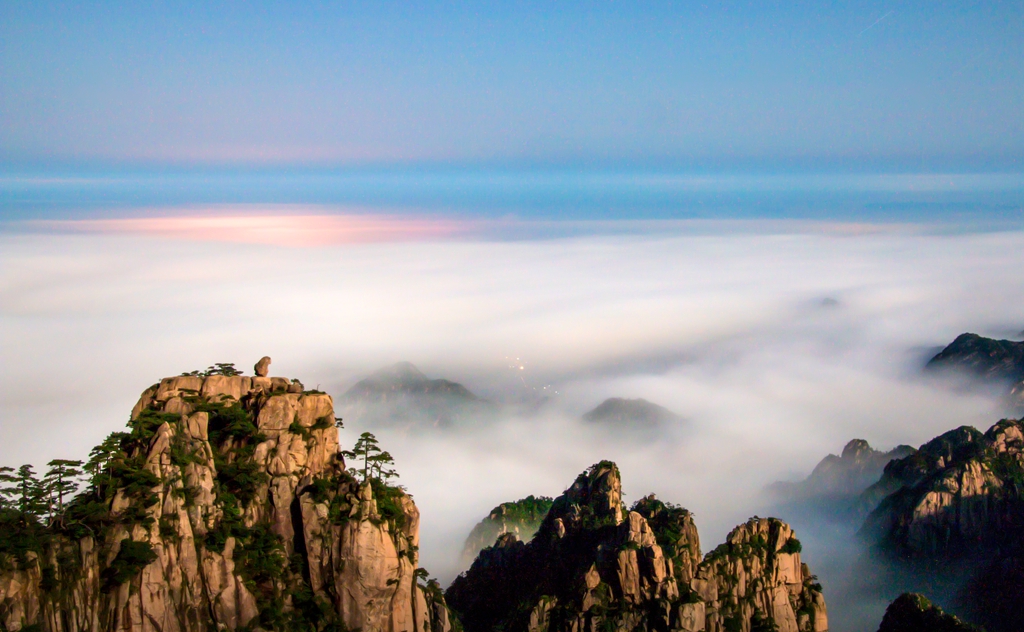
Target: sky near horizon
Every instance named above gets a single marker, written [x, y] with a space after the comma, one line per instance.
[892, 86]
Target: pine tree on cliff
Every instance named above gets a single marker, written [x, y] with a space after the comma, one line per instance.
[366, 448]
[100, 465]
[8, 491]
[61, 482]
[30, 497]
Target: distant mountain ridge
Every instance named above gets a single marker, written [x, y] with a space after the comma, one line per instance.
[857, 468]
[405, 379]
[988, 360]
[401, 395]
[623, 411]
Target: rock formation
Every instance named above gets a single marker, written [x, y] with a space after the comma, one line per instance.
[522, 518]
[837, 482]
[995, 361]
[617, 410]
[402, 395]
[911, 612]
[960, 491]
[262, 367]
[757, 577]
[593, 565]
[226, 505]
[982, 357]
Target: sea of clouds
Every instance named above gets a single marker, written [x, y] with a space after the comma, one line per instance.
[776, 345]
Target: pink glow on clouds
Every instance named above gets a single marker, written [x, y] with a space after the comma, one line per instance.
[278, 230]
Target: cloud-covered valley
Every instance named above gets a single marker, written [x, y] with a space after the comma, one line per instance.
[774, 348]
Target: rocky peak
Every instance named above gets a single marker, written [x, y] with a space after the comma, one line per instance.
[590, 567]
[983, 357]
[226, 505]
[856, 450]
[958, 492]
[757, 576]
[594, 497]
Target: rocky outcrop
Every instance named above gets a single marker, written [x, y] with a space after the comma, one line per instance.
[630, 412]
[756, 578]
[226, 505]
[961, 492]
[594, 565]
[262, 368]
[911, 612]
[522, 518]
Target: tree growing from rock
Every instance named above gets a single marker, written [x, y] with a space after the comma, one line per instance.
[100, 465]
[29, 493]
[376, 461]
[61, 482]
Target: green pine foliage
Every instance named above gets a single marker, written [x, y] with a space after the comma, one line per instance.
[130, 560]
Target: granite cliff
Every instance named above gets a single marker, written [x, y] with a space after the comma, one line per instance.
[955, 508]
[960, 492]
[226, 504]
[594, 564]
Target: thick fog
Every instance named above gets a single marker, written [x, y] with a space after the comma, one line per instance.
[775, 347]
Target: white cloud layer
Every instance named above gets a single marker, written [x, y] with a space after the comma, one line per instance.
[731, 331]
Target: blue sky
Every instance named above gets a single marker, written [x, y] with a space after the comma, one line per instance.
[891, 86]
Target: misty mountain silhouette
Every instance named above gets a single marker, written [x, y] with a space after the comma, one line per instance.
[405, 379]
[619, 410]
[981, 357]
[401, 395]
[999, 362]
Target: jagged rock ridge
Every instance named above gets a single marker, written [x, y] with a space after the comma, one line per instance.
[960, 490]
[227, 505]
[596, 565]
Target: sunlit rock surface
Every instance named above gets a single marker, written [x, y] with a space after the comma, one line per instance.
[958, 492]
[596, 565]
[227, 506]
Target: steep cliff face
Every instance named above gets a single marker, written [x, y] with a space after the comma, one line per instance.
[594, 565]
[226, 505]
[522, 518]
[756, 579]
[960, 492]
